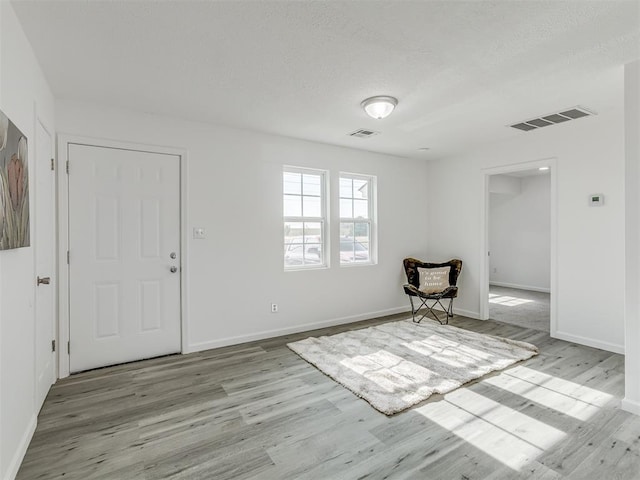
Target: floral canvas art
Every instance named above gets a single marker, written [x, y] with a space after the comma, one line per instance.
[14, 186]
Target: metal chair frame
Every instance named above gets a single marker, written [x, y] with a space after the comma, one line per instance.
[430, 308]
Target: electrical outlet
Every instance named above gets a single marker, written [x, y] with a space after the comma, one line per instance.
[199, 233]
[274, 308]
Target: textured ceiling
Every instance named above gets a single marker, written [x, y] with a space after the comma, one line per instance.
[461, 70]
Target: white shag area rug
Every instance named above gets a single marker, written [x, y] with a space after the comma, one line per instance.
[396, 365]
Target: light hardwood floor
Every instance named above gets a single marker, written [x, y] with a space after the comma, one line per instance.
[524, 308]
[258, 411]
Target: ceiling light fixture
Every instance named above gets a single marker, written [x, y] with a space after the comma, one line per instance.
[379, 107]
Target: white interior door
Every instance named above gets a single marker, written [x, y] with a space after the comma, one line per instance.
[45, 254]
[124, 255]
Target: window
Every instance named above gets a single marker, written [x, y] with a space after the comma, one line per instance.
[357, 227]
[304, 218]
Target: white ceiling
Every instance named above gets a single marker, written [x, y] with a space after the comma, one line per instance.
[461, 70]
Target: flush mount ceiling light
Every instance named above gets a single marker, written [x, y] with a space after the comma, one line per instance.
[379, 107]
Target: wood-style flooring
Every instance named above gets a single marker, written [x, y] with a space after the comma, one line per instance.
[258, 411]
[524, 308]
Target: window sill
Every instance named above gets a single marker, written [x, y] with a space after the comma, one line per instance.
[359, 264]
[305, 269]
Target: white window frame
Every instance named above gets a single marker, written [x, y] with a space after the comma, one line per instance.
[371, 221]
[324, 224]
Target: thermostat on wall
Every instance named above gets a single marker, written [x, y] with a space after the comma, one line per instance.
[596, 200]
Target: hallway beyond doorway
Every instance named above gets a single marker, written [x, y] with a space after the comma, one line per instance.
[524, 308]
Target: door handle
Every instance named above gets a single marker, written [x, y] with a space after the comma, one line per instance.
[173, 269]
[44, 280]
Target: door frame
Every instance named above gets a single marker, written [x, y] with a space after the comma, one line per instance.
[64, 140]
[46, 126]
[552, 163]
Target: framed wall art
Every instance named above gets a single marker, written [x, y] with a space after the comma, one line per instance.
[14, 186]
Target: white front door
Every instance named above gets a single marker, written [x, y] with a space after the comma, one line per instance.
[45, 251]
[124, 255]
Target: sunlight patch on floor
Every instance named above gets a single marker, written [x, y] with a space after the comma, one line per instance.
[507, 300]
[511, 437]
[424, 347]
[544, 396]
[391, 372]
[571, 389]
[457, 357]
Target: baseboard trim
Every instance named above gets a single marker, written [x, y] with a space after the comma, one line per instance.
[466, 313]
[589, 342]
[521, 287]
[630, 406]
[225, 342]
[16, 461]
[460, 311]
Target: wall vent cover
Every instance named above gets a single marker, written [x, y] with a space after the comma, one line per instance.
[363, 133]
[552, 119]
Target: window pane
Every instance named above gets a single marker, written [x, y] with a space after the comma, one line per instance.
[346, 230]
[294, 255]
[361, 232]
[311, 184]
[346, 245]
[361, 252]
[360, 189]
[311, 207]
[346, 250]
[292, 182]
[353, 251]
[346, 187]
[313, 232]
[346, 208]
[293, 232]
[292, 206]
[313, 253]
[354, 242]
[360, 209]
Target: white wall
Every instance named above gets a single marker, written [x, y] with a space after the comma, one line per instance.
[234, 192]
[23, 91]
[505, 184]
[590, 249]
[520, 235]
[631, 400]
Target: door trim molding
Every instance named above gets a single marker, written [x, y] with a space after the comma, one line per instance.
[484, 239]
[64, 140]
[46, 126]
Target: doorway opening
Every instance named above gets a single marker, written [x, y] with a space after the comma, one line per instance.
[519, 267]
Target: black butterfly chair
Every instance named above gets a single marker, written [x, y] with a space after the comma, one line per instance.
[412, 288]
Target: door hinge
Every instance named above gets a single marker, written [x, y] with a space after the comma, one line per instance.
[68, 257]
[69, 348]
[53, 345]
[53, 164]
[67, 167]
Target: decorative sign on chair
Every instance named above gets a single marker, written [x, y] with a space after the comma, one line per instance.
[14, 186]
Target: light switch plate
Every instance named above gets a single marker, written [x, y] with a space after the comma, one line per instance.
[199, 233]
[596, 200]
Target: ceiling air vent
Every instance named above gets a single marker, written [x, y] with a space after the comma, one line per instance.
[362, 133]
[552, 119]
